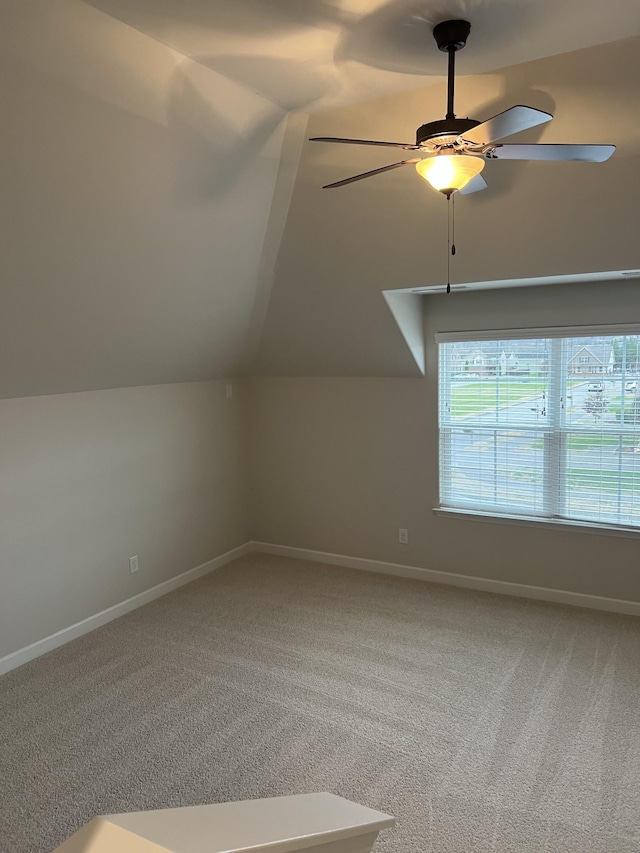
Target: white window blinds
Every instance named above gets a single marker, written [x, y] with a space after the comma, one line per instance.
[542, 423]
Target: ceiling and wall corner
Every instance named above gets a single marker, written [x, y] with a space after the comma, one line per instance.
[294, 134]
[343, 247]
[147, 169]
[325, 53]
[137, 186]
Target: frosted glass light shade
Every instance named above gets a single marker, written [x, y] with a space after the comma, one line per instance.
[449, 172]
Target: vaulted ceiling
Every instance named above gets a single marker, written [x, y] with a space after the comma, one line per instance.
[314, 54]
[163, 220]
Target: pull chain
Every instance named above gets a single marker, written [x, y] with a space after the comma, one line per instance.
[448, 243]
[453, 225]
[451, 235]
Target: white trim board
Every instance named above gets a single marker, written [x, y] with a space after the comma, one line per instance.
[85, 626]
[537, 593]
[606, 276]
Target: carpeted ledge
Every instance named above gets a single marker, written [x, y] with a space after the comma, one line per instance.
[484, 723]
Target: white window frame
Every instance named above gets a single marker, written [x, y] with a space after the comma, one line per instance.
[553, 517]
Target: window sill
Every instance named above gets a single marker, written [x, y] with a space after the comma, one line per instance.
[534, 521]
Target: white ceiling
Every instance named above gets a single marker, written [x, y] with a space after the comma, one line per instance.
[147, 167]
[310, 54]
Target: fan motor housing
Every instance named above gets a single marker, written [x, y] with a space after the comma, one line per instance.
[444, 127]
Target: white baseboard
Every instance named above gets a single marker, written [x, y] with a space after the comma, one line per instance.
[539, 593]
[17, 658]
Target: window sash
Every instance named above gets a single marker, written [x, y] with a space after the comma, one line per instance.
[554, 480]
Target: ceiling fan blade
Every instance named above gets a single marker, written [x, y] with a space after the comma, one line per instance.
[406, 145]
[369, 174]
[584, 153]
[513, 120]
[475, 185]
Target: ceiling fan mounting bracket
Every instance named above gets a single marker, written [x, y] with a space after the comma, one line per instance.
[444, 127]
[451, 35]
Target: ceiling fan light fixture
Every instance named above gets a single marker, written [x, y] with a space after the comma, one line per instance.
[449, 173]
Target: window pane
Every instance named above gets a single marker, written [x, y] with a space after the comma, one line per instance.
[498, 382]
[603, 478]
[603, 393]
[499, 469]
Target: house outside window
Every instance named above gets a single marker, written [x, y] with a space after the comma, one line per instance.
[541, 440]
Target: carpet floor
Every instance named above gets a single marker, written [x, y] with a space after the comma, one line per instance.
[482, 722]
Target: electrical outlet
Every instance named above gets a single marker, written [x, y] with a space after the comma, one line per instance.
[228, 389]
[133, 565]
[403, 536]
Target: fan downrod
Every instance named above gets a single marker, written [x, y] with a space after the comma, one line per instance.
[451, 36]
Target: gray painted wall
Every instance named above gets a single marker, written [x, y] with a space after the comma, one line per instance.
[339, 464]
[170, 473]
[88, 480]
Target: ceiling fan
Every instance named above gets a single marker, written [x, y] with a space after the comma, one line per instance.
[452, 151]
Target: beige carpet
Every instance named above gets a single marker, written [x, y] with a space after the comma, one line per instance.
[483, 723]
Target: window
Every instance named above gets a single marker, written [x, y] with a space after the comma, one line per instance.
[530, 438]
